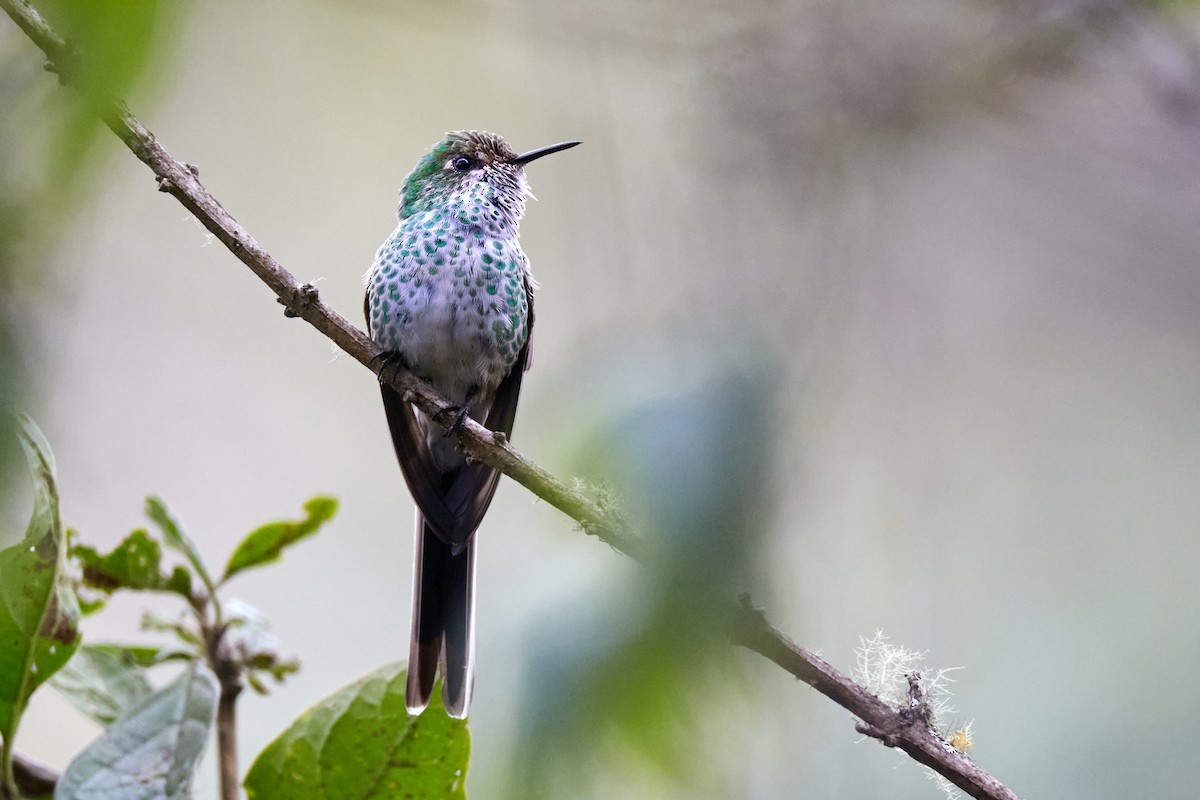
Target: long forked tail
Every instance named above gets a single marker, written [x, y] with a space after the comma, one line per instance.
[443, 623]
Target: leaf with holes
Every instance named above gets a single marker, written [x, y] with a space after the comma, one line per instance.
[136, 563]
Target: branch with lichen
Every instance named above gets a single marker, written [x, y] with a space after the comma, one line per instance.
[909, 730]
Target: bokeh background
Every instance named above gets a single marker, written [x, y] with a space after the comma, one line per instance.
[917, 283]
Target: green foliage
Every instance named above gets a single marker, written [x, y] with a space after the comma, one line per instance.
[177, 540]
[361, 743]
[103, 681]
[151, 752]
[136, 563]
[38, 613]
[107, 684]
[656, 670]
[266, 544]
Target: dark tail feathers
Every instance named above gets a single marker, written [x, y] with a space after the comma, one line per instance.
[443, 626]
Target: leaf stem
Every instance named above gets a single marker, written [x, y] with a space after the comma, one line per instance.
[8, 782]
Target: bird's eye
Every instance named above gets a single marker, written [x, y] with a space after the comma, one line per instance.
[462, 164]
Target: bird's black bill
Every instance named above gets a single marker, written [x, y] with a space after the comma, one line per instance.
[532, 155]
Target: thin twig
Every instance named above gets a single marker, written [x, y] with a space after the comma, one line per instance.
[876, 718]
[751, 629]
[227, 740]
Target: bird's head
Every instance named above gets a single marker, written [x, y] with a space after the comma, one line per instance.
[474, 175]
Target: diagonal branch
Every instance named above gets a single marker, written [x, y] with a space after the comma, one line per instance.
[750, 628]
[301, 300]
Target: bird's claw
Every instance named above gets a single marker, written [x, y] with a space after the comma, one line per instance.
[460, 418]
[388, 359]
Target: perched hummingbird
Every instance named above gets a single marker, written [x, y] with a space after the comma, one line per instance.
[450, 297]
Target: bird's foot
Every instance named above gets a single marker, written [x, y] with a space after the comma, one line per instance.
[389, 363]
[460, 414]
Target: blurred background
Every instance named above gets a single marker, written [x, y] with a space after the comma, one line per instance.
[906, 293]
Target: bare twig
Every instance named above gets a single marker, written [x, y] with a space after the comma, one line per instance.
[751, 629]
[908, 732]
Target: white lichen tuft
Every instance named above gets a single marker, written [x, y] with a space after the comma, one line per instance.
[943, 784]
[608, 501]
[884, 668]
[893, 673]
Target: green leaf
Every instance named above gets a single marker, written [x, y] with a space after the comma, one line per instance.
[361, 743]
[152, 751]
[136, 563]
[177, 540]
[139, 655]
[103, 680]
[133, 564]
[180, 582]
[266, 544]
[39, 616]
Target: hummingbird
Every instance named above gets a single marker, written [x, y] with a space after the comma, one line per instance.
[450, 298]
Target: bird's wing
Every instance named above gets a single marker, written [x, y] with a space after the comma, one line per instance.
[428, 485]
